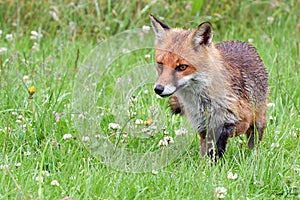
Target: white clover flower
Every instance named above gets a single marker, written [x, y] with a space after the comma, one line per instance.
[35, 35]
[9, 37]
[275, 145]
[81, 116]
[39, 179]
[54, 183]
[220, 192]
[162, 143]
[27, 153]
[1, 32]
[250, 40]
[232, 176]
[181, 131]
[45, 173]
[3, 50]
[146, 91]
[67, 136]
[35, 47]
[133, 99]
[85, 139]
[14, 113]
[146, 28]
[147, 56]
[139, 121]
[169, 139]
[18, 164]
[154, 172]
[270, 19]
[26, 77]
[114, 126]
[271, 105]
[272, 118]
[54, 15]
[3, 166]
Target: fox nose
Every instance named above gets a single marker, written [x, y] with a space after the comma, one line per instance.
[159, 89]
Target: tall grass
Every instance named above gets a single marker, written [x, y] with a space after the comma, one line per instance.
[39, 161]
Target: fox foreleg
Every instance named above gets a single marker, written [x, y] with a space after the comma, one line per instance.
[218, 138]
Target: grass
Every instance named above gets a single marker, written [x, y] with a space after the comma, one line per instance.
[35, 154]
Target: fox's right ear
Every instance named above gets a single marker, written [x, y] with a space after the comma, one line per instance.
[202, 35]
[159, 28]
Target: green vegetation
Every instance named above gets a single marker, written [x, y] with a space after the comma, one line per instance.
[45, 44]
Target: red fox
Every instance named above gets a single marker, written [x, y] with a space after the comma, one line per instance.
[221, 88]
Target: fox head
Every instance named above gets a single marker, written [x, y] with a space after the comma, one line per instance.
[182, 56]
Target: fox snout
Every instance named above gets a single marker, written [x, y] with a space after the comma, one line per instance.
[164, 91]
[159, 89]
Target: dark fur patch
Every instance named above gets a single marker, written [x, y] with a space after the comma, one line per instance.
[225, 131]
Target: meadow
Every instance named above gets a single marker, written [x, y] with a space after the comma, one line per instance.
[74, 75]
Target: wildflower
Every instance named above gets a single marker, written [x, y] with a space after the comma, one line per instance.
[133, 99]
[31, 91]
[26, 78]
[73, 177]
[3, 50]
[147, 56]
[85, 139]
[3, 166]
[35, 35]
[270, 19]
[18, 121]
[114, 126]
[14, 113]
[81, 116]
[146, 28]
[271, 105]
[45, 173]
[272, 118]
[181, 131]
[9, 37]
[54, 15]
[154, 172]
[67, 136]
[27, 153]
[54, 183]
[162, 143]
[275, 145]
[232, 176]
[148, 122]
[250, 40]
[35, 47]
[138, 122]
[1, 32]
[58, 115]
[220, 192]
[39, 179]
[146, 91]
[169, 139]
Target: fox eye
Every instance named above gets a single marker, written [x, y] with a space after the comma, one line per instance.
[181, 67]
[159, 65]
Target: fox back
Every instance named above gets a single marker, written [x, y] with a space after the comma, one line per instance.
[222, 88]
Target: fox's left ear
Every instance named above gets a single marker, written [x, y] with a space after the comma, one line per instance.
[159, 28]
[202, 35]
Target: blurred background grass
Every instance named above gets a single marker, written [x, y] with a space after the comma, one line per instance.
[100, 19]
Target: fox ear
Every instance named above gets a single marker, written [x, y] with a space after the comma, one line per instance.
[159, 28]
[202, 35]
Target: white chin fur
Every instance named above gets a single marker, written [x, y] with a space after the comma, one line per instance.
[168, 90]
